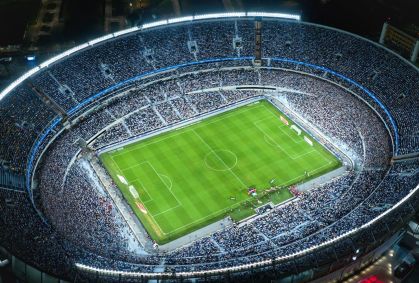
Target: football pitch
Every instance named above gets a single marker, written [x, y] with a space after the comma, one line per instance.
[187, 178]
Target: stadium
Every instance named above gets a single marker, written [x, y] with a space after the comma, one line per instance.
[216, 147]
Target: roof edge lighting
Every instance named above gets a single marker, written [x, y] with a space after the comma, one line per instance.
[219, 15]
[274, 15]
[125, 31]
[92, 42]
[179, 20]
[154, 24]
[100, 39]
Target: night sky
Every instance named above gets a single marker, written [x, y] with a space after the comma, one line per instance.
[84, 18]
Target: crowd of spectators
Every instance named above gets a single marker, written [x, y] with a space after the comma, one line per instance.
[315, 215]
[23, 233]
[82, 213]
[82, 76]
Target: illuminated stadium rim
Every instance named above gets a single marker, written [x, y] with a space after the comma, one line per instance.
[55, 122]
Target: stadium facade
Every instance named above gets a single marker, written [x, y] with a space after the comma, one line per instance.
[356, 94]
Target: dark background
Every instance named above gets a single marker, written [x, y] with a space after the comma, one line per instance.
[84, 18]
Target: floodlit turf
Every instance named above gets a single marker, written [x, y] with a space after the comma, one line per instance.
[185, 179]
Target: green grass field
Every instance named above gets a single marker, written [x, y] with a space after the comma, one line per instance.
[184, 179]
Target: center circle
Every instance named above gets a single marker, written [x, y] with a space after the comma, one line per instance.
[220, 160]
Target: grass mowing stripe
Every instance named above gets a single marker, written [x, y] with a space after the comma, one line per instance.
[210, 165]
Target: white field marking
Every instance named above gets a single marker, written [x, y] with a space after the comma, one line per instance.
[220, 170]
[241, 109]
[151, 215]
[117, 166]
[239, 203]
[306, 153]
[324, 157]
[318, 168]
[223, 209]
[152, 167]
[167, 210]
[303, 130]
[207, 216]
[294, 157]
[144, 142]
[279, 146]
[149, 141]
[143, 202]
[282, 126]
[216, 212]
[302, 175]
[136, 179]
[169, 189]
[133, 166]
[272, 111]
[195, 221]
[293, 138]
[169, 179]
[244, 185]
[145, 190]
[151, 199]
[269, 142]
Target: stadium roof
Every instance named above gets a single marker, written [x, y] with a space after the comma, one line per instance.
[75, 49]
